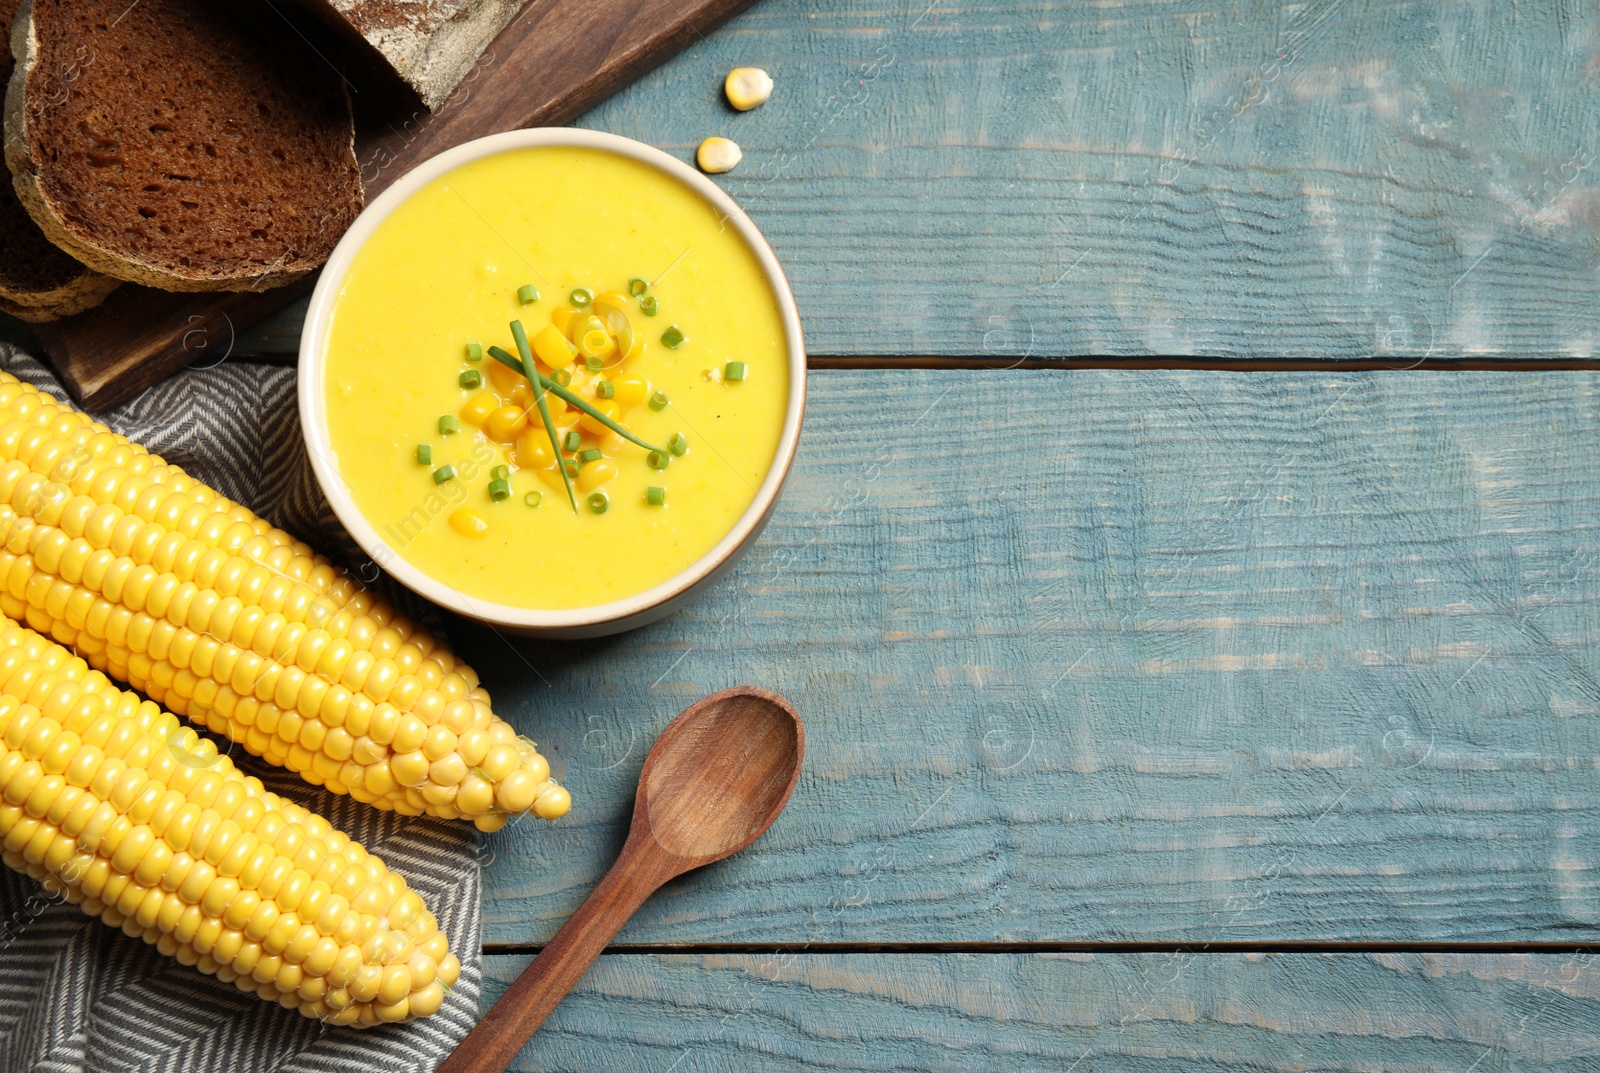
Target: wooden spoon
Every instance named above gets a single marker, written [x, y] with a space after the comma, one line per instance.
[713, 783]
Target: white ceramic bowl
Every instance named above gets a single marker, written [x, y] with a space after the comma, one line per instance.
[600, 619]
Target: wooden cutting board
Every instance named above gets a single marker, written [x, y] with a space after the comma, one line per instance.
[555, 61]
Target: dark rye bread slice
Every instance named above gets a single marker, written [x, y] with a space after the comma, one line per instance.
[428, 45]
[193, 150]
[38, 280]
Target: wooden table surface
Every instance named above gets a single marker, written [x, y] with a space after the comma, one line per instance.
[1160, 716]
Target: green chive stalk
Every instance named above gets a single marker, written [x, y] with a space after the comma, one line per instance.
[521, 338]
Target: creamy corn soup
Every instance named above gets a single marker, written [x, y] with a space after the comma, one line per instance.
[647, 319]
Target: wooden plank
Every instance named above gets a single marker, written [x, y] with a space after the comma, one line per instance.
[555, 60]
[1024, 177]
[1127, 656]
[1440, 1012]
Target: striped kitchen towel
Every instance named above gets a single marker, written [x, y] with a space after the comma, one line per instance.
[76, 995]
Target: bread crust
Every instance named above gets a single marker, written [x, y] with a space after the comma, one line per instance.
[44, 314]
[120, 265]
[38, 307]
[430, 45]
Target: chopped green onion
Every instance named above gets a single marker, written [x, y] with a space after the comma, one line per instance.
[533, 499]
[524, 365]
[733, 371]
[599, 502]
[527, 293]
[658, 459]
[500, 473]
[470, 378]
[424, 455]
[580, 297]
[591, 455]
[593, 364]
[448, 425]
[572, 440]
[655, 495]
[474, 351]
[648, 305]
[499, 490]
[570, 467]
[636, 287]
[605, 389]
[658, 401]
[558, 388]
[678, 445]
[672, 338]
[443, 473]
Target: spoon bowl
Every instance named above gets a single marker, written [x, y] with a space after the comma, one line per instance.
[713, 783]
[720, 774]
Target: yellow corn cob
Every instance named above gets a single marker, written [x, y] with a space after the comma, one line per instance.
[189, 597]
[134, 817]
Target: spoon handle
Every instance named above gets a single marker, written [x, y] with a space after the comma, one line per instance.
[495, 1041]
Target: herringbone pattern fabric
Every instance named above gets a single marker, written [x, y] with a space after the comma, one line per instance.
[79, 997]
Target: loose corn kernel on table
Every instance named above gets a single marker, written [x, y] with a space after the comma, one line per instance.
[1159, 716]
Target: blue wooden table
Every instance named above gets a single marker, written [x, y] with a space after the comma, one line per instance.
[1161, 715]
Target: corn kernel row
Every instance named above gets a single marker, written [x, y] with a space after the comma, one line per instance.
[136, 819]
[193, 599]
